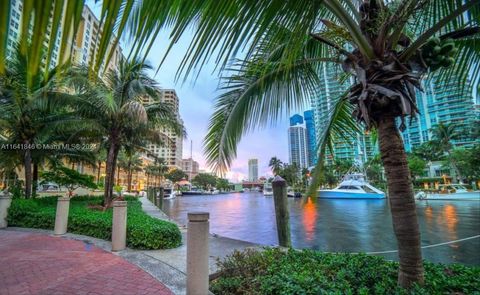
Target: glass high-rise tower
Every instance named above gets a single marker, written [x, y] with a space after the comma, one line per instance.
[442, 102]
[358, 148]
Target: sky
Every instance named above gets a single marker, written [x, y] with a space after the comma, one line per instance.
[196, 106]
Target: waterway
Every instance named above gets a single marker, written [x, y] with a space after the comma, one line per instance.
[340, 225]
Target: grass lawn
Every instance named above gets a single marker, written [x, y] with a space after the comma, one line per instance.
[143, 231]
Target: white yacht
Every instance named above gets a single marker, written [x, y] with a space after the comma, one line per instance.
[267, 189]
[169, 193]
[353, 186]
[451, 192]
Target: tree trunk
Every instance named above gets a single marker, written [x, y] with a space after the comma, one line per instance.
[27, 161]
[402, 204]
[148, 180]
[98, 171]
[118, 175]
[453, 163]
[110, 173]
[129, 179]
[35, 179]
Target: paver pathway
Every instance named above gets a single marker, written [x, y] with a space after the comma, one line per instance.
[33, 263]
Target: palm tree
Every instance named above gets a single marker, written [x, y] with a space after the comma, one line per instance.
[388, 47]
[130, 162]
[116, 109]
[33, 112]
[276, 165]
[443, 135]
[161, 169]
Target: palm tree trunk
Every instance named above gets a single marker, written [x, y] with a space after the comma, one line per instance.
[28, 173]
[454, 165]
[118, 175]
[35, 179]
[402, 203]
[129, 180]
[110, 173]
[98, 171]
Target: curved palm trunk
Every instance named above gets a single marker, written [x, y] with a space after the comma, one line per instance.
[402, 203]
[110, 173]
[27, 161]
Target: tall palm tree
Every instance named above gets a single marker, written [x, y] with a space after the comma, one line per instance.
[116, 108]
[388, 47]
[130, 162]
[33, 112]
[443, 135]
[276, 165]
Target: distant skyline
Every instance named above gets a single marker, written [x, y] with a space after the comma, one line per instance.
[196, 106]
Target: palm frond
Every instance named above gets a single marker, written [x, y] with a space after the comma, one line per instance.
[339, 125]
[257, 92]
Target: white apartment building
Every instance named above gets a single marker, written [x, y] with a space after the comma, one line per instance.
[172, 150]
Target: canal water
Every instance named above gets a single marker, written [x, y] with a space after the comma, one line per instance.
[340, 225]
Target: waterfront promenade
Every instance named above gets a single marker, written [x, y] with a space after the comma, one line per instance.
[37, 262]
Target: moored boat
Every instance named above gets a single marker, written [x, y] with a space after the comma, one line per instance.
[353, 186]
[267, 189]
[450, 192]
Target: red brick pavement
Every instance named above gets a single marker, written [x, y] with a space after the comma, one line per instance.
[33, 263]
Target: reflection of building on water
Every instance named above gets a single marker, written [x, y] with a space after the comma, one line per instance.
[309, 218]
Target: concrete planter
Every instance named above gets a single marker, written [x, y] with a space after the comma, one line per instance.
[5, 202]
[61, 217]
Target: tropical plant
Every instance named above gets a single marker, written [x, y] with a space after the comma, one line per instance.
[205, 180]
[443, 135]
[176, 175]
[33, 113]
[222, 184]
[276, 165]
[69, 178]
[291, 174]
[130, 162]
[416, 165]
[428, 151]
[388, 47]
[43, 22]
[468, 161]
[116, 108]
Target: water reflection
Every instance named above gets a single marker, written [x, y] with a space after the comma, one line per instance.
[338, 225]
[309, 218]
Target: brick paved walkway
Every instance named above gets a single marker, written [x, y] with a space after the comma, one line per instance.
[33, 263]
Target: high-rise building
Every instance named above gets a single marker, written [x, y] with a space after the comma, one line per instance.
[87, 41]
[190, 167]
[253, 169]
[297, 142]
[446, 102]
[358, 148]
[84, 46]
[171, 150]
[311, 137]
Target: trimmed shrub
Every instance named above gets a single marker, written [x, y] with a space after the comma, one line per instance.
[143, 231]
[275, 271]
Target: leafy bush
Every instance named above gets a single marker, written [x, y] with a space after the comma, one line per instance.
[275, 271]
[143, 231]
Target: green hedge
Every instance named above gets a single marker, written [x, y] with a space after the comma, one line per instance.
[275, 271]
[143, 231]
